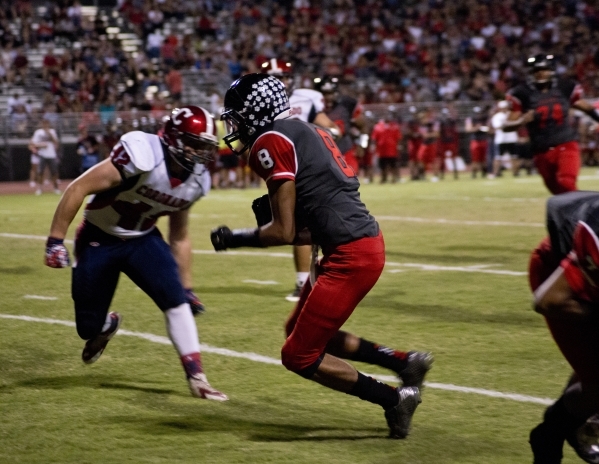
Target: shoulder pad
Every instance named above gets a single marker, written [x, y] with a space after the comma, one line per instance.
[308, 93]
[140, 150]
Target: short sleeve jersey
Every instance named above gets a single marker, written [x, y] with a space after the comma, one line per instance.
[49, 150]
[146, 192]
[386, 135]
[327, 197]
[343, 112]
[550, 126]
[305, 104]
[563, 213]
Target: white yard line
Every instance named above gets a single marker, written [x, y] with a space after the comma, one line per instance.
[422, 267]
[260, 282]
[39, 297]
[267, 360]
[458, 222]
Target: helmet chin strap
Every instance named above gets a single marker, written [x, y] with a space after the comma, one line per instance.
[175, 158]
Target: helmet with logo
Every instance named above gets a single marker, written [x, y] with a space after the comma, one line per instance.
[251, 103]
[190, 135]
[280, 69]
[538, 63]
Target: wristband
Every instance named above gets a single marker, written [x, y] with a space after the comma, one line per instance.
[54, 241]
[245, 238]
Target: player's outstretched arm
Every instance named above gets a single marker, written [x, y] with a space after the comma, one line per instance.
[588, 108]
[280, 231]
[180, 244]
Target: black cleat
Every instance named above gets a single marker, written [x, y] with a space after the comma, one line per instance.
[95, 347]
[546, 446]
[419, 363]
[585, 441]
[399, 417]
[294, 296]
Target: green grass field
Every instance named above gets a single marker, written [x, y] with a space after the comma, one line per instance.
[454, 284]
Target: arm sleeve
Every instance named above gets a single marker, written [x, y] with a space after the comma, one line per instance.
[273, 157]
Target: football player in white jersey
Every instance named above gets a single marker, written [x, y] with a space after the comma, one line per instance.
[307, 105]
[146, 176]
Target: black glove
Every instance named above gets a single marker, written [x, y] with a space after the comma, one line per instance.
[262, 211]
[221, 238]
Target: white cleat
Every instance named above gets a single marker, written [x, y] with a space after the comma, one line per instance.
[200, 388]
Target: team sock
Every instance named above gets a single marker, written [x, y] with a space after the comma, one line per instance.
[192, 364]
[379, 355]
[300, 278]
[368, 389]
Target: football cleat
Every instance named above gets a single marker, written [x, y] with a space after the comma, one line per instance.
[546, 446]
[419, 363]
[399, 417]
[200, 388]
[586, 441]
[95, 347]
[294, 296]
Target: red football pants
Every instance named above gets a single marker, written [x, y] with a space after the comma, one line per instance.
[478, 150]
[350, 158]
[559, 167]
[427, 153]
[346, 274]
[578, 341]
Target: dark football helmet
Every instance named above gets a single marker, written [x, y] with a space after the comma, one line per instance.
[541, 62]
[190, 135]
[326, 84]
[280, 69]
[251, 103]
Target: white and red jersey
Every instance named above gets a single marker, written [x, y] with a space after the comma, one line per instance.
[305, 104]
[147, 190]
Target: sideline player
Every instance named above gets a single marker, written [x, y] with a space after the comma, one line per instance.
[145, 177]
[564, 276]
[314, 198]
[542, 104]
[306, 105]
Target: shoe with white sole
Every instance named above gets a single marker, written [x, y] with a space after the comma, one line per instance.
[200, 388]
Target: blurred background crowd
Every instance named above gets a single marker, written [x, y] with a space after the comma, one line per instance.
[112, 67]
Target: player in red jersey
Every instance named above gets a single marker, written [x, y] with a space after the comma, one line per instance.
[427, 152]
[542, 104]
[564, 275]
[414, 137]
[479, 142]
[313, 198]
[386, 136]
[448, 143]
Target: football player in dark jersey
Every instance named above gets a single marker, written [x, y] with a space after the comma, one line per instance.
[564, 275]
[346, 113]
[307, 105]
[314, 199]
[542, 104]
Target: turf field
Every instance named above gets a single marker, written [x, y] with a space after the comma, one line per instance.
[455, 284]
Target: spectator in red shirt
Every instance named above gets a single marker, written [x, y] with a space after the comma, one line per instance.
[386, 136]
[174, 83]
[50, 64]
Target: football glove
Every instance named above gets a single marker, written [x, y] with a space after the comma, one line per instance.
[57, 255]
[197, 307]
[262, 211]
[222, 238]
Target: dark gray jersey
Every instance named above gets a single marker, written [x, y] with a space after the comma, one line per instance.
[563, 213]
[551, 125]
[327, 198]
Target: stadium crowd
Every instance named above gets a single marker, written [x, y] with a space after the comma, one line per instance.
[392, 51]
[384, 51]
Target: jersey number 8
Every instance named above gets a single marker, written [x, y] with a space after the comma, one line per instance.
[265, 160]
